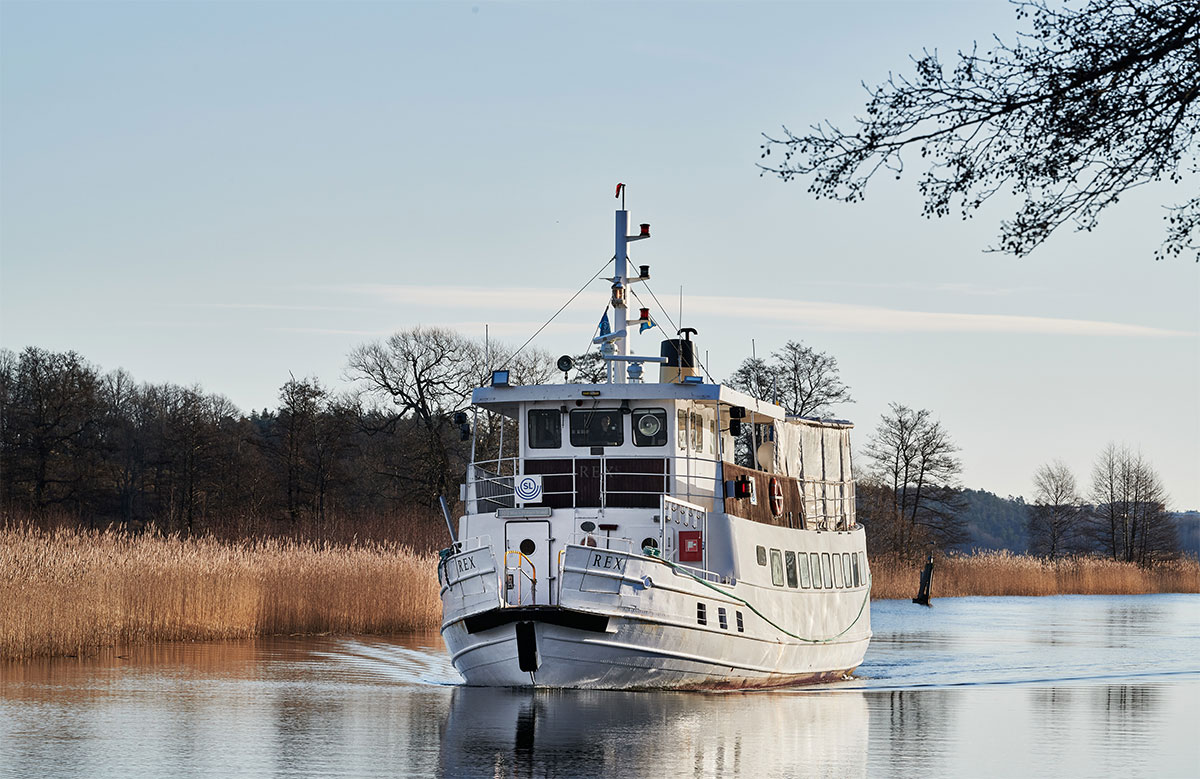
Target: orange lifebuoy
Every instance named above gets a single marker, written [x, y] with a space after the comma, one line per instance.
[776, 498]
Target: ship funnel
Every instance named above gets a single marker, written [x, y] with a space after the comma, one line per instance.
[680, 356]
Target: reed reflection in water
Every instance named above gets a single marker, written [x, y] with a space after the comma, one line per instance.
[974, 687]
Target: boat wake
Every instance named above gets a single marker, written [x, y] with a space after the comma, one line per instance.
[382, 661]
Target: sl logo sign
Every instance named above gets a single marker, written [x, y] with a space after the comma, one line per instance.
[528, 489]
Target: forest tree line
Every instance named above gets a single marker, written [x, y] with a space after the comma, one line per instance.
[102, 448]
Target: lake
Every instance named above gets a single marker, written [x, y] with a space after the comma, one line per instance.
[1062, 686]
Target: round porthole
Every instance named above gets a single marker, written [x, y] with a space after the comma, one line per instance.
[528, 547]
[649, 543]
[649, 425]
[587, 527]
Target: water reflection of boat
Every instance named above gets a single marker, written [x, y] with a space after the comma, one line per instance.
[674, 534]
[511, 732]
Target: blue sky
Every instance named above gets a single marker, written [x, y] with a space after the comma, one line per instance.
[227, 193]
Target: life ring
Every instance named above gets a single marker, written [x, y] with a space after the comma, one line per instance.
[776, 498]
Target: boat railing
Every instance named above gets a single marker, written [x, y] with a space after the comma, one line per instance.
[516, 575]
[592, 481]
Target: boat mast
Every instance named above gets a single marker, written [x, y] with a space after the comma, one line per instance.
[620, 266]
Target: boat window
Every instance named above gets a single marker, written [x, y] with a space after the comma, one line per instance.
[712, 436]
[805, 581]
[741, 625]
[545, 428]
[649, 427]
[826, 570]
[776, 568]
[863, 573]
[697, 432]
[761, 554]
[816, 570]
[682, 434]
[789, 562]
[837, 570]
[724, 622]
[597, 427]
[846, 568]
[701, 614]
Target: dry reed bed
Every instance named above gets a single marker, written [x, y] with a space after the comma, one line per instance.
[67, 592]
[1004, 573]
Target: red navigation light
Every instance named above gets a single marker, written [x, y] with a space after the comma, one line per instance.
[644, 316]
[645, 230]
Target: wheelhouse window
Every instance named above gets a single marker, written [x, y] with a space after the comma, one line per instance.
[776, 568]
[805, 581]
[697, 433]
[818, 583]
[682, 433]
[545, 428]
[826, 570]
[597, 427]
[789, 562]
[649, 427]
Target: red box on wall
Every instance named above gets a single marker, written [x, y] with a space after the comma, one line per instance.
[691, 546]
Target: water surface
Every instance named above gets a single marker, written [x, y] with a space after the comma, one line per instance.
[1064, 686]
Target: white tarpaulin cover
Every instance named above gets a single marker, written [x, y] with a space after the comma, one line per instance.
[820, 457]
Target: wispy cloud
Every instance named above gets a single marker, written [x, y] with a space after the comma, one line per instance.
[835, 317]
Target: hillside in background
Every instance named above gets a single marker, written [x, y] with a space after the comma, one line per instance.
[1189, 532]
[994, 522]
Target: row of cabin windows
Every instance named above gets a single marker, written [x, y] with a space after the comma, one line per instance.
[597, 427]
[722, 618]
[815, 570]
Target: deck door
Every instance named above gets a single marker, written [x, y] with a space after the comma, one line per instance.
[527, 563]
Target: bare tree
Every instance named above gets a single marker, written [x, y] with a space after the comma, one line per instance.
[1056, 514]
[1094, 101]
[809, 381]
[804, 381]
[1130, 520]
[913, 457]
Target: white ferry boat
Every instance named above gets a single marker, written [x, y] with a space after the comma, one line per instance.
[612, 539]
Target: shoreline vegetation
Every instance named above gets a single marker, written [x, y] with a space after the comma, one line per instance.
[72, 592]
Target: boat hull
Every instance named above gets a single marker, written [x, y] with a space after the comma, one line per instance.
[636, 626]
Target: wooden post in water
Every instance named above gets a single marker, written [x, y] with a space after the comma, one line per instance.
[926, 582]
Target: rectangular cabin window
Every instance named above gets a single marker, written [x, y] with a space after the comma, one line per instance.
[826, 570]
[649, 427]
[681, 435]
[846, 568]
[760, 554]
[789, 562]
[741, 624]
[862, 567]
[837, 570]
[545, 428]
[697, 433]
[701, 614]
[712, 436]
[721, 618]
[816, 566]
[805, 581]
[597, 427]
[776, 568]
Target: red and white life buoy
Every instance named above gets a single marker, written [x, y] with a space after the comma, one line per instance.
[776, 498]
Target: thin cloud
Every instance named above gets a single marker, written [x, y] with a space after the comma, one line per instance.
[832, 317]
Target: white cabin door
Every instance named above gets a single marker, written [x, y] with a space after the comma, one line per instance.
[527, 573]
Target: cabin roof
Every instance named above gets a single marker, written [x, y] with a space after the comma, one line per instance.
[711, 393]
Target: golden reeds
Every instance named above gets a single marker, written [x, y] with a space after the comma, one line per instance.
[1004, 573]
[66, 592]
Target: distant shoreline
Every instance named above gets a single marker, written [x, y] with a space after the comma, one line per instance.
[74, 592]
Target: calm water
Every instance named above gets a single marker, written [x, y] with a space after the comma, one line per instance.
[1065, 686]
